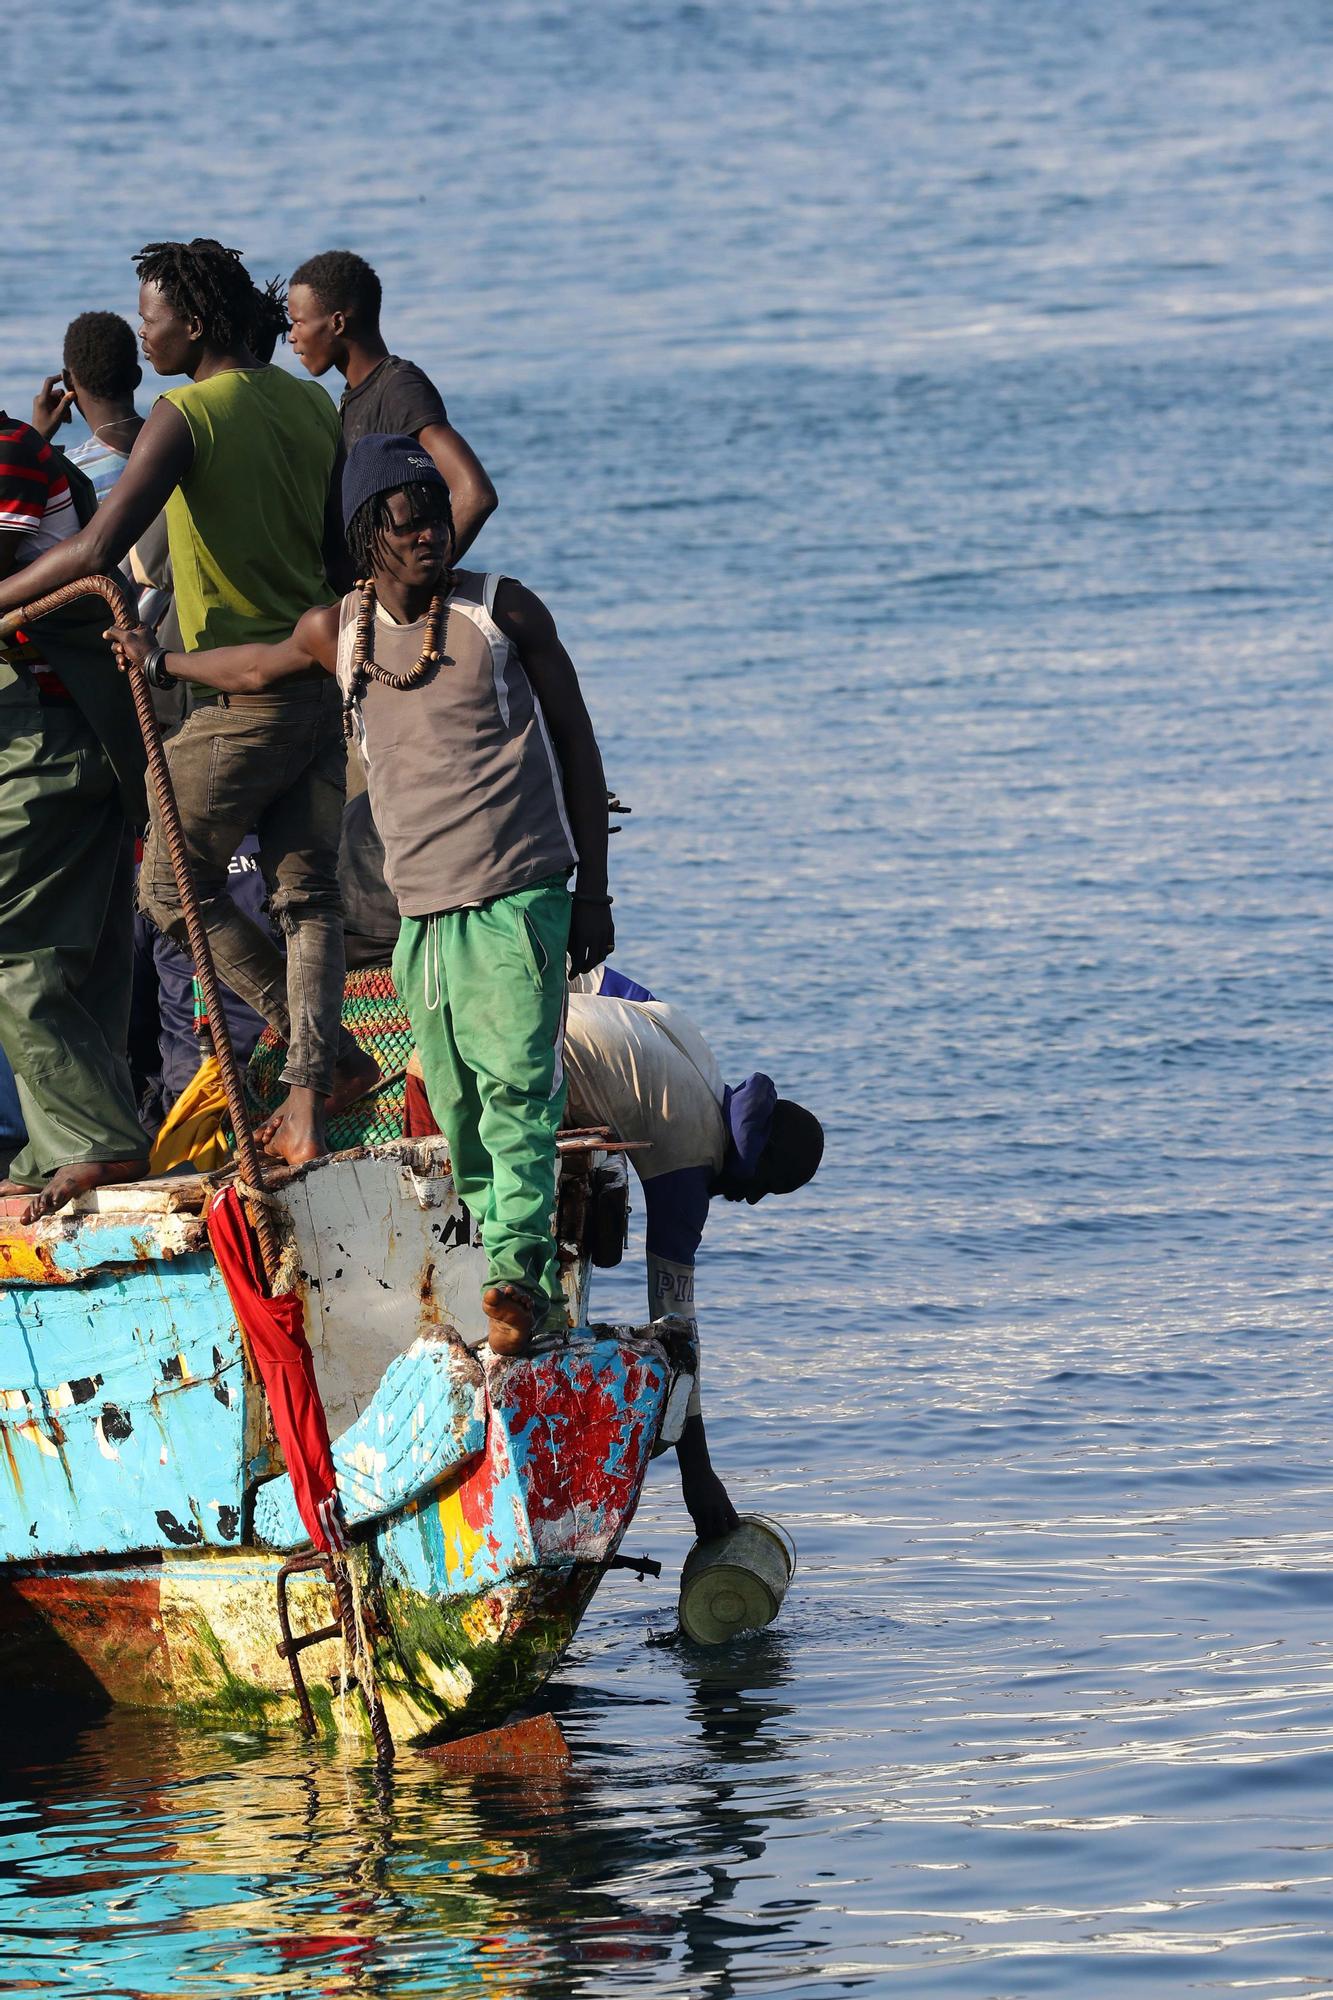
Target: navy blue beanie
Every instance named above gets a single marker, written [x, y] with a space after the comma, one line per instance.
[747, 1111]
[378, 463]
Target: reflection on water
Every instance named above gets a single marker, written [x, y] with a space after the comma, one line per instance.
[148, 1857]
[740, 1700]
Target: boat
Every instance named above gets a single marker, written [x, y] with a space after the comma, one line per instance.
[152, 1551]
[419, 1564]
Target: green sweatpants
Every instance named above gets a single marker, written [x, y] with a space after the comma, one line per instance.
[485, 992]
[66, 938]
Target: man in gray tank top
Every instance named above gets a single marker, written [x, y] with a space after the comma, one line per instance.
[487, 787]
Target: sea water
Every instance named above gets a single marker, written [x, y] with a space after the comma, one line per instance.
[918, 418]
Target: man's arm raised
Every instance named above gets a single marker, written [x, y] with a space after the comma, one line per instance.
[242, 669]
[337, 562]
[523, 618]
[163, 453]
[472, 497]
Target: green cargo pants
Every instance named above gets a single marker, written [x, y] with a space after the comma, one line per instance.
[485, 992]
[66, 937]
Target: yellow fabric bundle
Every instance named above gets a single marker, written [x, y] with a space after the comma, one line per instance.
[193, 1134]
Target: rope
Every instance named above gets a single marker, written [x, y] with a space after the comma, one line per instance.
[262, 1197]
[118, 601]
[358, 1654]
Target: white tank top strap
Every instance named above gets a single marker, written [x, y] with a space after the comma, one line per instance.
[347, 616]
[489, 588]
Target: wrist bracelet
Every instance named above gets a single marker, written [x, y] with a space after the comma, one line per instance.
[602, 902]
[155, 671]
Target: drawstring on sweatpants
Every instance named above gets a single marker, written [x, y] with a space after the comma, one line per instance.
[432, 962]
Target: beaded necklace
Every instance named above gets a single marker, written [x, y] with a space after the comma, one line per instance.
[365, 667]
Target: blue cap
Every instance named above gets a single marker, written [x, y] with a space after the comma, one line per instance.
[747, 1112]
[378, 463]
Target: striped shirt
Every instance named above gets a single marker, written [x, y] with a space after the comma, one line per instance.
[35, 500]
[102, 465]
[37, 507]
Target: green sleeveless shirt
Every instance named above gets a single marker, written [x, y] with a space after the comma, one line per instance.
[246, 524]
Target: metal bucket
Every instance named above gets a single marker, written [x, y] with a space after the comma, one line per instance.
[736, 1584]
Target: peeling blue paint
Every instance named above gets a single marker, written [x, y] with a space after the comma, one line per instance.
[109, 1416]
[426, 1417]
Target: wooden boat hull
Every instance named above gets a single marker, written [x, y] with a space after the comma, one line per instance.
[485, 1496]
[475, 1588]
[197, 1635]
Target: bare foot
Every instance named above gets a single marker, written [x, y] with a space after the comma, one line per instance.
[295, 1134]
[67, 1182]
[355, 1078]
[351, 1081]
[8, 1189]
[510, 1312]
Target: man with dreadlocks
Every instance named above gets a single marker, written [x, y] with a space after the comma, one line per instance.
[246, 462]
[487, 788]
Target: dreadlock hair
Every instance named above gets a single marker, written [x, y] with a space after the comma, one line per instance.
[270, 323]
[367, 527]
[102, 355]
[205, 281]
[345, 283]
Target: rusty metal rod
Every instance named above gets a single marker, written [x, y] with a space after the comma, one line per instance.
[121, 606]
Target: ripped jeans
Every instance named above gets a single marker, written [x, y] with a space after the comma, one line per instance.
[274, 765]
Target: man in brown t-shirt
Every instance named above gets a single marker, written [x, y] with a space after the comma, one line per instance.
[333, 302]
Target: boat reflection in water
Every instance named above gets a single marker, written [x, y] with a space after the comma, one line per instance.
[162, 1858]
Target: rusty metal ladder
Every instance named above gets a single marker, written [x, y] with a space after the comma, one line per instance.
[344, 1627]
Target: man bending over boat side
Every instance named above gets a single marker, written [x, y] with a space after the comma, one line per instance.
[245, 460]
[643, 1068]
[487, 788]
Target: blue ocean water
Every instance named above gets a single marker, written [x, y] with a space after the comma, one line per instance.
[918, 417]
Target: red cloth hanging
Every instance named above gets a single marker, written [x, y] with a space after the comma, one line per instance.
[274, 1329]
[418, 1118]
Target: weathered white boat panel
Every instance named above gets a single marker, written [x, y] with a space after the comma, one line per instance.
[384, 1253]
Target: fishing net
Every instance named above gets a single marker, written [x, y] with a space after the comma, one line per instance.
[373, 1015]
